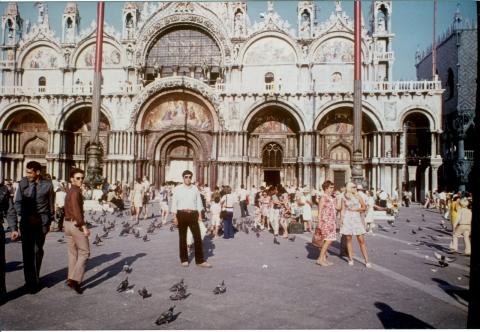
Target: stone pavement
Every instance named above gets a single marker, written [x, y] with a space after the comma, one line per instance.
[268, 286]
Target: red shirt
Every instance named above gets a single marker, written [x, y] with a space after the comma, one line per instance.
[74, 205]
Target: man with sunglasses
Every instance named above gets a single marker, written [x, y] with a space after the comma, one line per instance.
[76, 231]
[34, 202]
[186, 208]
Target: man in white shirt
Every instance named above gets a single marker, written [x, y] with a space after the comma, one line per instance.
[242, 197]
[383, 196]
[187, 207]
[60, 195]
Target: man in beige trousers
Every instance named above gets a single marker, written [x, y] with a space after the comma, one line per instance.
[76, 231]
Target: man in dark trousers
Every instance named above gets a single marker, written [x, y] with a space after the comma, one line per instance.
[76, 231]
[34, 202]
[187, 208]
[5, 203]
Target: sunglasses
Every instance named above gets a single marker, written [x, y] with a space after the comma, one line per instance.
[79, 178]
[187, 177]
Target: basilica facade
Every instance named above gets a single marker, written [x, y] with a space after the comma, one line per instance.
[197, 85]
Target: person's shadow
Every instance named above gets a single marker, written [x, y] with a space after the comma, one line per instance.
[455, 292]
[110, 271]
[312, 251]
[392, 319]
[14, 266]
[208, 247]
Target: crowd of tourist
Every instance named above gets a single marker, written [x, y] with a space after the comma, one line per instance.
[326, 213]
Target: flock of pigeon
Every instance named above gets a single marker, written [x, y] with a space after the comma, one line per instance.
[179, 290]
[443, 260]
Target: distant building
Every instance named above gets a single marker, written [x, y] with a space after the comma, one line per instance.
[457, 53]
[195, 84]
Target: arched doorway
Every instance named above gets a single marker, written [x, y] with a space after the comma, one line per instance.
[272, 159]
[25, 138]
[76, 138]
[418, 147]
[177, 127]
[273, 147]
[335, 144]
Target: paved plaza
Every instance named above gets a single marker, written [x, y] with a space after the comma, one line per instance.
[268, 286]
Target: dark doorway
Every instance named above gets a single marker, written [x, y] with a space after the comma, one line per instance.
[339, 179]
[271, 177]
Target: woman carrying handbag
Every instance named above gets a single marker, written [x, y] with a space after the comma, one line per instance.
[326, 228]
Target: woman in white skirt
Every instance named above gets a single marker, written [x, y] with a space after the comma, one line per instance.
[352, 206]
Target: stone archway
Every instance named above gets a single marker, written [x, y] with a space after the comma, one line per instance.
[272, 128]
[335, 143]
[25, 138]
[76, 137]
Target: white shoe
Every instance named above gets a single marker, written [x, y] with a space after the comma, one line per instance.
[368, 265]
[350, 263]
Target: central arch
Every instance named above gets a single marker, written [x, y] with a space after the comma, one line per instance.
[273, 132]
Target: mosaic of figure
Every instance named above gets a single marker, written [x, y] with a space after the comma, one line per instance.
[42, 58]
[305, 25]
[270, 51]
[337, 50]
[272, 122]
[111, 56]
[175, 111]
[238, 23]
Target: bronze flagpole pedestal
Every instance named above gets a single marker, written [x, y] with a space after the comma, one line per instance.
[94, 151]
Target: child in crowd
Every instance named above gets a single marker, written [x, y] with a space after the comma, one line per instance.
[215, 209]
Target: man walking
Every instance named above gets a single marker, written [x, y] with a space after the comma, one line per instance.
[76, 231]
[5, 203]
[34, 201]
[242, 197]
[187, 207]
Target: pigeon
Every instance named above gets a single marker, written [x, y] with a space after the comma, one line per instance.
[105, 229]
[137, 234]
[165, 317]
[153, 215]
[150, 229]
[443, 260]
[127, 268]
[220, 289]
[257, 234]
[408, 220]
[291, 238]
[104, 235]
[179, 295]
[420, 228]
[172, 228]
[97, 240]
[413, 231]
[275, 241]
[145, 238]
[390, 222]
[61, 240]
[144, 293]
[123, 285]
[177, 286]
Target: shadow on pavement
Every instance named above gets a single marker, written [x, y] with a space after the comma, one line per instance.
[110, 271]
[312, 251]
[14, 266]
[208, 247]
[453, 291]
[392, 319]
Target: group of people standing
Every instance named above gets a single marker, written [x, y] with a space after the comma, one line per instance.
[31, 211]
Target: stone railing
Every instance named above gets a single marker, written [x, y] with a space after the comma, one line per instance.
[401, 86]
[383, 56]
[469, 154]
[320, 87]
[83, 90]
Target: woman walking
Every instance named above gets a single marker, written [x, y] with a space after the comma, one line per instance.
[136, 199]
[462, 227]
[326, 221]
[352, 206]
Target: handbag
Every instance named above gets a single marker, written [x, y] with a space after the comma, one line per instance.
[317, 238]
[223, 213]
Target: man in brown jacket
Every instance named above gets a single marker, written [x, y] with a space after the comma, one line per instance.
[76, 231]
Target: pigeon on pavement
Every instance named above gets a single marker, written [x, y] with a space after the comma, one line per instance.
[220, 288]
[144, 293]
[165, 317]
[443, 260]
[177, 286]
[291, 238]
[127, 268]
[123, 285]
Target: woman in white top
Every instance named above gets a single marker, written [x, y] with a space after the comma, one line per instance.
[215, 209]
[352, 206]
[227, 202]
[370, 203]
[136, 198]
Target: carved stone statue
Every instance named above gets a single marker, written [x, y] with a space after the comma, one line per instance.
[305, 25]
[238, 24]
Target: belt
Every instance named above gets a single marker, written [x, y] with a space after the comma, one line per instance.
[188, 211]
[70, 220]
